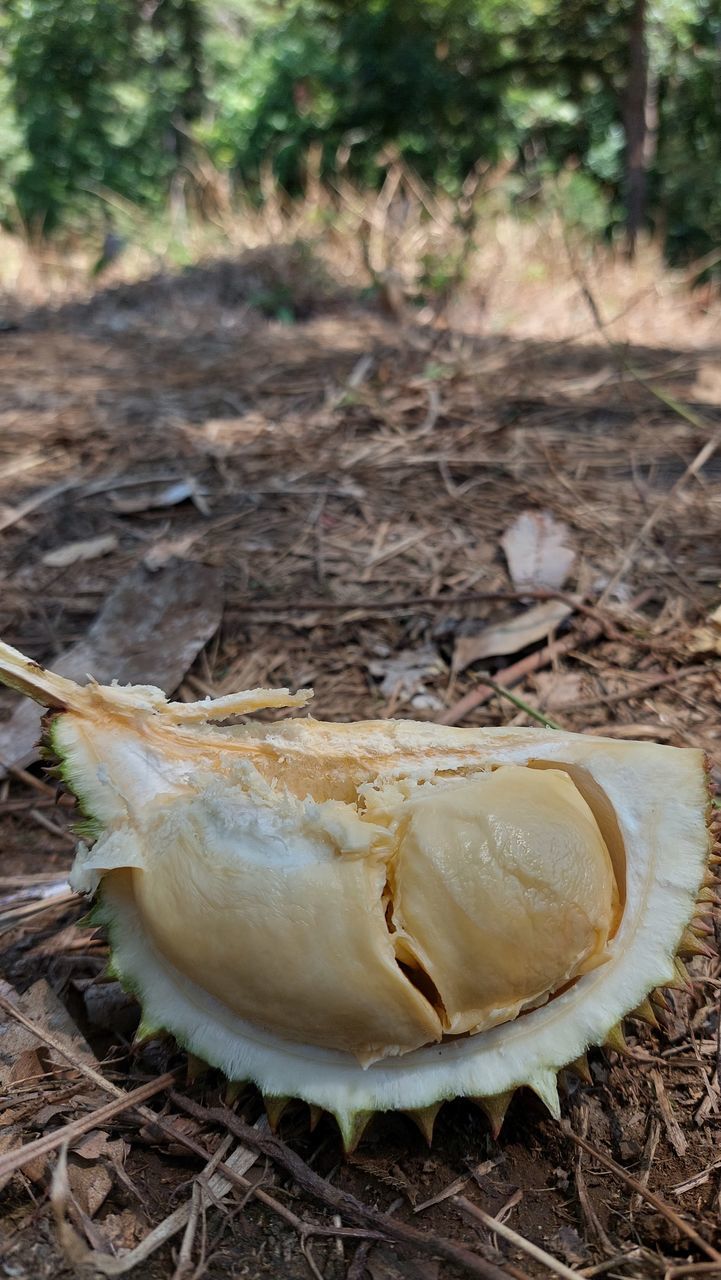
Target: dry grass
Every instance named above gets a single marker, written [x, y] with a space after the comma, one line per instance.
[477, 269]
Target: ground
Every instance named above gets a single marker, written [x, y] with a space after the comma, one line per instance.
[350, 476]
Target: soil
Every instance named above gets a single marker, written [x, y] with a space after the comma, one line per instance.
[352, 476]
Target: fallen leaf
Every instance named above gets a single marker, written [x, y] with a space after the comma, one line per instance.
[537, 551]
[97, 1144]
[40, 1005]
[169, 496]
[149, 631]
[90, 1184]
[516, 633]
[122, 1227]
[166, 549]
[27, 1065]
[403, 674]
[569, 1244]
[707, 638]
[123, 1230]
[73, 552]
[558, 689]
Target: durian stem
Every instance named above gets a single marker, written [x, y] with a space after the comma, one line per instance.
[30, 678]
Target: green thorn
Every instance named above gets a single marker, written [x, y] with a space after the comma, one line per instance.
[495, 1109]
[580, 1068]
[545, 1086]
[683, 977]
[690, 945]
[93, 918]
[147, 1031]
[424, 1118]
[195, 1068]
[644, 1012]
[615, 1039]
[314, 1117]
[274, 1108]
[352, 1125]
[233, 1090]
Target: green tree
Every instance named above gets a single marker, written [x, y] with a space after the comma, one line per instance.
[96, 88]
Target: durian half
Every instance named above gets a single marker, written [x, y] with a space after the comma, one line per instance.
[380, 915]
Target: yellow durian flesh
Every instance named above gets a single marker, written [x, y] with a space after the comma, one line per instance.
[504, 891]
[389, 808]
[259, 902]
[501, 891]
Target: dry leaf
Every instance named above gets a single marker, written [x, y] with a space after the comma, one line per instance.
[169, 496]
[40, 1005]
[85, 1260]
[123, 1230]
[508, 637]
[403, 674]
[149, 631]
[707, 638]
[90, 1184]
[166, 549]
[536, 548]
[558, 689]
[73, 552]
[27, 1064]
[96, 1143]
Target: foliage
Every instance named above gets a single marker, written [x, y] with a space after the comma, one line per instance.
[688, 193]
[112, 99]
[95, 89]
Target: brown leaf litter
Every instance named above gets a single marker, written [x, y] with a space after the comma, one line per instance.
[377, 500]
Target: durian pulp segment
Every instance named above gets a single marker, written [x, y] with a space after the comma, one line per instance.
[503, 891]
[294, 913]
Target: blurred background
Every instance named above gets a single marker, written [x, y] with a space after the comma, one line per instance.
[148, 129]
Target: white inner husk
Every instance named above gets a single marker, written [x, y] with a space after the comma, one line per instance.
[650, 801]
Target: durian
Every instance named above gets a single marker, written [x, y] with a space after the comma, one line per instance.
[380, 915]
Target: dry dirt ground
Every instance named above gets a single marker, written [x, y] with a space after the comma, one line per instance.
[351, 477]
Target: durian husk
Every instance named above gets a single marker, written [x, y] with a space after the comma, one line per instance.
[650, 802]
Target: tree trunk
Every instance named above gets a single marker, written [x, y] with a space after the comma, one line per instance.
[635, 125]
[190, 21]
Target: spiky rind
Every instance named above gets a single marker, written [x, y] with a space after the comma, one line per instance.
[645, 1013]
[527, 1052]
[494, 1108]
[315, 1115]
[424, 1118]
[545, 1086]
[352, 1125]
[580, 1067]
[147, 1031]
[615, 1039]
[655, 815]
[195, 1068]
[72, 778]
[274, 1109]
[233, 1090]
[690, 945]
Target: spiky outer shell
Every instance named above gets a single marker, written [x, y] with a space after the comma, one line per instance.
[650, 803]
